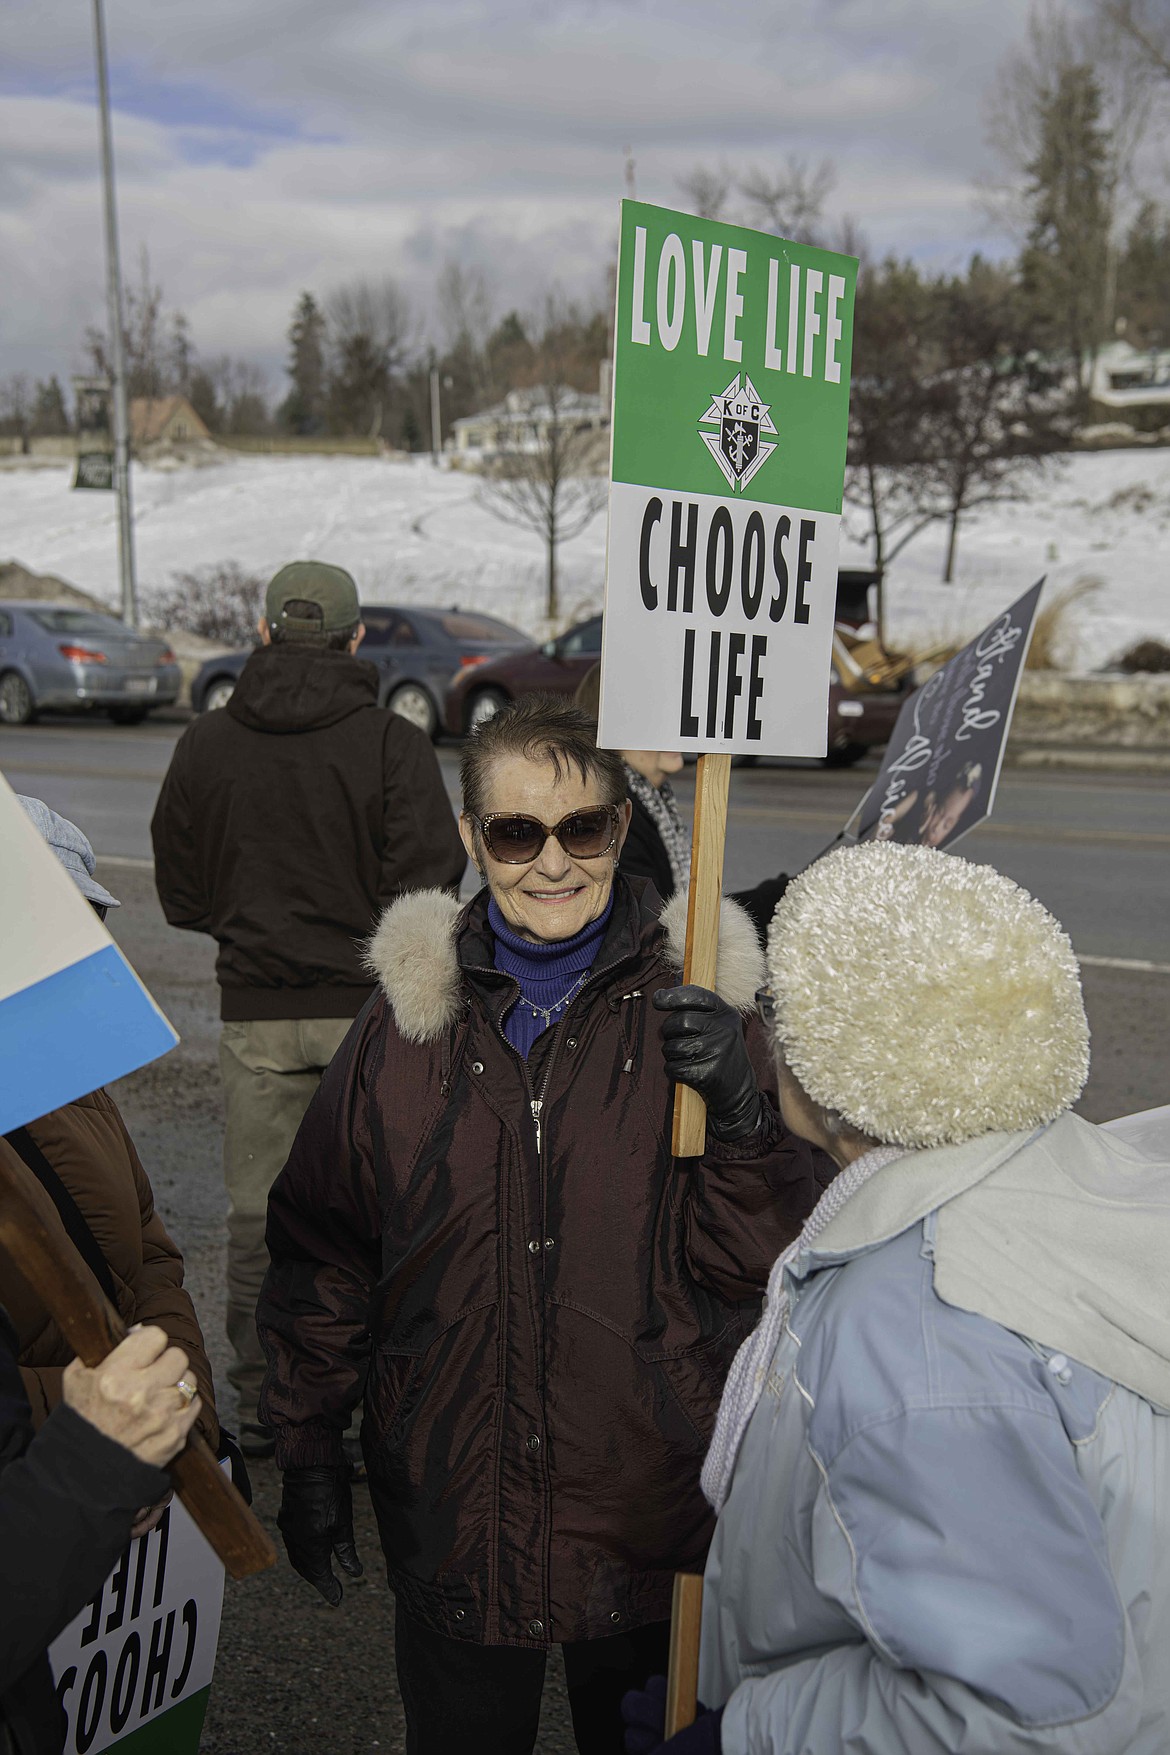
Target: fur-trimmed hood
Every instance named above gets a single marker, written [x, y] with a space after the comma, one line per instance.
[413, 956]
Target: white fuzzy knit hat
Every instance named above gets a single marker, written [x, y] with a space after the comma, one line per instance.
[925, 999]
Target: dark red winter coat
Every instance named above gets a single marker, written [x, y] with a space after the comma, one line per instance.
[540, 1326]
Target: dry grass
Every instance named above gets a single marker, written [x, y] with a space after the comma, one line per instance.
[1054, 641]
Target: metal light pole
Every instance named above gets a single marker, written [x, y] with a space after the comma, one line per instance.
[117, 349]
[436, 418]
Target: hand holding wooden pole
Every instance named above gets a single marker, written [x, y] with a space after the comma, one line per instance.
[712, 782]
[93, 1329]
[686, 1624]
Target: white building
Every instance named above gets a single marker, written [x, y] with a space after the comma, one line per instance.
[1126, 378]
[522, 420]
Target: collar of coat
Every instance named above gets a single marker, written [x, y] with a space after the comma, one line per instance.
[414, 952]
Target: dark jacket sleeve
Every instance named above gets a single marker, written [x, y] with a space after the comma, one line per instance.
[423, 850]
[643, 854]
[178, 866]
[66, 1507]
[324, 1245]
[748, 1200]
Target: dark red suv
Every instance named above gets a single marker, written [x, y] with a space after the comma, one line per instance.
[552, 669]
[860, 715]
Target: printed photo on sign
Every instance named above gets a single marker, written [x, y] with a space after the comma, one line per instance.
[730, 417]
[941, 767]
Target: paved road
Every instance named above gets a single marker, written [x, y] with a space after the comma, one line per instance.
[1093, 847]
[293, 1676]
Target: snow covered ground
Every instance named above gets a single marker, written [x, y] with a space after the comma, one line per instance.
[413, 533]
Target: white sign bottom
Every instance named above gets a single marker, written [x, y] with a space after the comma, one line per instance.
[718, 624]
[146, 1642]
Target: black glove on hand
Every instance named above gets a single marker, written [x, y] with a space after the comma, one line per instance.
[644, 1715]
[703, 1046]
[316, 1521]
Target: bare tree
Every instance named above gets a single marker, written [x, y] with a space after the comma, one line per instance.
[221, 602]
[544, 476]
[16, 405]
[707, 190]
[791, 201]
[371, 331]
[1143, 26]
[994, 411]
[890, 477]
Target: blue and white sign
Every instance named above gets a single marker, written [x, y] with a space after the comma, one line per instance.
[73, 1014]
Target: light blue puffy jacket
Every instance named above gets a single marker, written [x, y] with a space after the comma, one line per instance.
[941, 1537]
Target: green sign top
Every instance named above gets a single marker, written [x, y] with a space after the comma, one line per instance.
[731, 368]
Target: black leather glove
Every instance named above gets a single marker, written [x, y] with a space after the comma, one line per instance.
[316, 1521]
[703, 1046]
[644, 1717]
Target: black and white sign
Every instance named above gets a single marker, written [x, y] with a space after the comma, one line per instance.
[143, 1651]
[941, 766]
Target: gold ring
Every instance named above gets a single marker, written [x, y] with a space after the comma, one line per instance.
[187, 1390]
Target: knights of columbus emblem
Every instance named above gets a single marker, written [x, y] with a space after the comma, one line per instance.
[738, 447]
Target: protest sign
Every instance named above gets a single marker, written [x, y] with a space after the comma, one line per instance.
[941, 767]
[133, 1669]
[73, 1014]
[730, 415]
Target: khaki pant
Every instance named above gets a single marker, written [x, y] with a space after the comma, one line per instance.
[270, 1069]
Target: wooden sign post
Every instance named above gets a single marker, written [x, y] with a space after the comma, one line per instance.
[712, 782]
[682, 1677]
[730, 418]
[93, 1329]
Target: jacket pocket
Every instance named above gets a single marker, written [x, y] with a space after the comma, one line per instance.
[388, 1387]
[695, 1377]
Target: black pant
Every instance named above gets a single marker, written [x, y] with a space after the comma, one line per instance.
[486, 1698]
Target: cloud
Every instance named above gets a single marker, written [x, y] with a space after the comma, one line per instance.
[263, 146]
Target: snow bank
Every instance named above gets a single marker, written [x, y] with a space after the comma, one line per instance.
[411, 533]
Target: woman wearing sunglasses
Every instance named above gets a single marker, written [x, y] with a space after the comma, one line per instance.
[482, 1231]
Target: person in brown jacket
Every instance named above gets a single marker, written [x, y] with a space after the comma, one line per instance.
[481, 1230]
[83, 1173]
[88, 1149]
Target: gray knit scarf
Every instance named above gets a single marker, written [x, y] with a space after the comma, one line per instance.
[659, 802]
[749, 1368]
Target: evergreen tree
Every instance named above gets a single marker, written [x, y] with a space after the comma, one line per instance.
[1143, 279]
[303, 410]
[180, 355]
[1065, 262]
[50, 418]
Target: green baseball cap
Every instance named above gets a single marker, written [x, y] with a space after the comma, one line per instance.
[330, 588]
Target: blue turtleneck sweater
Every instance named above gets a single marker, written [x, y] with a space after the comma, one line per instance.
[545, 971]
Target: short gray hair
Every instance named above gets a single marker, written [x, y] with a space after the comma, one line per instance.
[539, 728]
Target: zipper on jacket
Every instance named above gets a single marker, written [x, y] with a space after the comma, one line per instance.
[536, 1098]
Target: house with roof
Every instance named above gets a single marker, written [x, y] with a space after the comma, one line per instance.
[1127, 379]
[165, 423]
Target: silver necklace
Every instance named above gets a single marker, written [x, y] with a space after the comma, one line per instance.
[546, 1011]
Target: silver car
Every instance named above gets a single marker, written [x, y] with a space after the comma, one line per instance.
[55, 656]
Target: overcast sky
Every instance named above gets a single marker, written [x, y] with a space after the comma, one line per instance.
[265, 146]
